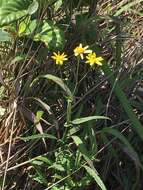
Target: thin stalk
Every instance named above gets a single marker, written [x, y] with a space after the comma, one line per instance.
[68, 119]
[77, 70]
[9, 147]
[69, 106]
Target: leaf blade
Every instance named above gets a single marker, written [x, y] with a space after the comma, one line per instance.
[86, 119]
[96, 177]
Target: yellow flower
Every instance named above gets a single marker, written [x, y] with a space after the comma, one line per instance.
[59, 58]
[92, 59]
[79, 50]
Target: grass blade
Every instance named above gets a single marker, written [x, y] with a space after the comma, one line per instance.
[96, 177]
[57, 80]
[38, 136]
[87, 119]
[137, 126]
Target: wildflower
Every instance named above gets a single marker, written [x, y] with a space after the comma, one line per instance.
[92, 59]
[79, 50]
[59, 58]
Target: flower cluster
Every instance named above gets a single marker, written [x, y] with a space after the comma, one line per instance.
[79, 51]
[59, 58]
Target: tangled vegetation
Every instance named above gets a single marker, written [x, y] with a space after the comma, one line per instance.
[71, 94]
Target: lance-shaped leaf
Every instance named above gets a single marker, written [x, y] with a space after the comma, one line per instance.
[96, 177]
[87, 119]
[56, 80]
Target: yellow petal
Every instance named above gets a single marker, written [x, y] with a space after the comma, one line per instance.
[54, 57]
[86, 47]
[99, 63]
[87, 61]
[81, 55]
[64, 56]
[99, 58]
[88, 51]
[91, 64]
[55, 53]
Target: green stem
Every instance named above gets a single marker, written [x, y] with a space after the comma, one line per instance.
[78, 61]
[69, 106]
[68, 122]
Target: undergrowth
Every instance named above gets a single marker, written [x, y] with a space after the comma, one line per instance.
[71, 95]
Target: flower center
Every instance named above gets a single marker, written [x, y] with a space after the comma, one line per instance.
[59, 57]
[80, 50]
[93, 58]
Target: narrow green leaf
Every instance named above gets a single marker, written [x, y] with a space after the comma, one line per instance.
[38, 136]
[44, 159]
[37, 162]
[40, 176]
[93, 142]
[73, 130]
[81, 146]
[39, 115]
[137, 126]
[86, 119]
[57, 80]
[125, 141]
[95, 175]
[60, 82]
[43, 105]
[58, 167]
